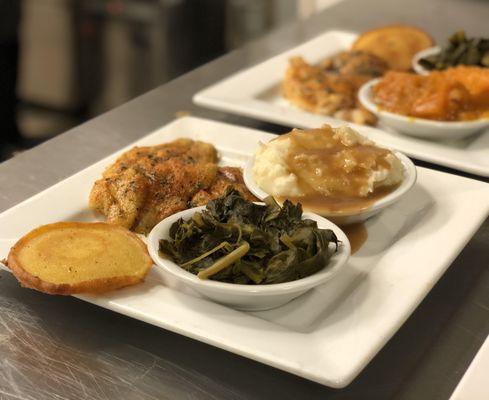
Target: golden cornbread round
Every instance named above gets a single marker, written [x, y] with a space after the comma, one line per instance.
[77, 257]
[395, 44]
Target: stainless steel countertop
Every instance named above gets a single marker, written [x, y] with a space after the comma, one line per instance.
[63, 348]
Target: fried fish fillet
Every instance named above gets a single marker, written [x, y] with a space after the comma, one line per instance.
[227, 177]
[147, 184]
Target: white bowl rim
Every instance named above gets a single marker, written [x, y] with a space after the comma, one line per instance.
[410, 176]
[364, 95]
[336, 262]
[417, 67]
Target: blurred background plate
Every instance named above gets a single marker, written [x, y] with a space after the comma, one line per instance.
[256, 92]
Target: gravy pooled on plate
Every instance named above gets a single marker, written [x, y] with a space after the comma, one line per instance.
[328, 170]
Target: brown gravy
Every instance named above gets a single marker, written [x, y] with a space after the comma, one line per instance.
[334, 177]
[338, 205]
[357, 234]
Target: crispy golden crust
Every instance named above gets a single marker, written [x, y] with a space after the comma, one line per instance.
[147, 184]
[395, 44]
[227, 177]
[318, 90]
[28, 280]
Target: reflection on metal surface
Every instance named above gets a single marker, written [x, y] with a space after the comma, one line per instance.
[40, 360]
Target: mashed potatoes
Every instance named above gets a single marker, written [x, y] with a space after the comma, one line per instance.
[332, 163]
[271, 171]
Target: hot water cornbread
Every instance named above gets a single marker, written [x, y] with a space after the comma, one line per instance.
[74, 257]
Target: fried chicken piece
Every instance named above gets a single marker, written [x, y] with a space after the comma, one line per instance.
[331, 87]
[147, 184]
[310, 88]
[227, 177]
[356, 63]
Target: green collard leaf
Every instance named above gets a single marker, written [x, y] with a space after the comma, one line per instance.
[281, 267]
[459, 50]
[237, 241]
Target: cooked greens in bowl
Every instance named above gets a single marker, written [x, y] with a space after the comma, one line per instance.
[237, 241]
[281, 249]
[459, 50]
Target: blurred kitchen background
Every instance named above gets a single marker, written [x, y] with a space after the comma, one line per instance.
[65, 61]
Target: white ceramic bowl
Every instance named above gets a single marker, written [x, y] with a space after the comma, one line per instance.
[248, 297]
[423, 128]
[345, 218]
[417, 67]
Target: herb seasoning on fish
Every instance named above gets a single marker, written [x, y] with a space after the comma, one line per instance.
[237, 241]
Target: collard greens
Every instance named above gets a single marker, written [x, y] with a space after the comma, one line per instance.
[237, 241]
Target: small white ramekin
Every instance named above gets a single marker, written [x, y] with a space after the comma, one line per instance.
[247, 297]
[419, 127]
[348, 217]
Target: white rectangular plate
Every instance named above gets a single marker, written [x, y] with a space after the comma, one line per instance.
[474, 384]
[327, 335]
[255, 92]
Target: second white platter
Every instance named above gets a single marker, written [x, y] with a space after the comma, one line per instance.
[256, 92]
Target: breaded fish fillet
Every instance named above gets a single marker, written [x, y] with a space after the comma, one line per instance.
[227, 177]
[147, 184]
